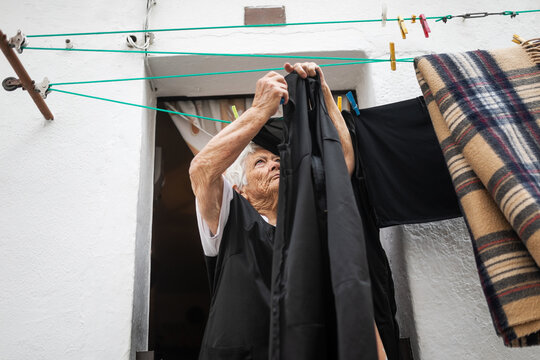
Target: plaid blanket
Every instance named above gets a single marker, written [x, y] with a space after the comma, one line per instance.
[485, 108]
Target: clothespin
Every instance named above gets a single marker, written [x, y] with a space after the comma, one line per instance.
[24, 80]
[384, 14]
[234, 112]
[518, 39]
[402, 27]
[353, 103]
[339, 102]
[425, 26]
[392, 57]
[413, 19]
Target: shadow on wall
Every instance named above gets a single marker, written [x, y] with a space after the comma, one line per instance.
[392, 239]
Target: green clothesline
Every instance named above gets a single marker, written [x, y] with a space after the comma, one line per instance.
[215, 54]
[358, 60]
[367, 61]
[141, 106]
[437, 18]
[222, 27]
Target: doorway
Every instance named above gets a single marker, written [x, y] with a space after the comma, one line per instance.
[179, 291]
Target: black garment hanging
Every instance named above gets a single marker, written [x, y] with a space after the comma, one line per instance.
[406, 176]
[382, 283]
[321, 298]
[271, 135]
[238, 322]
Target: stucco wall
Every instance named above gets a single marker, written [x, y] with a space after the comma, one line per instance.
[75, 193]
[69, 189]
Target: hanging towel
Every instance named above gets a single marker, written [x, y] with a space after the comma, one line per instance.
[405, 174]
[485, 108]
[320, 296]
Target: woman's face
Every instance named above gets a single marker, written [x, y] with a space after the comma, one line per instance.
[262, 174]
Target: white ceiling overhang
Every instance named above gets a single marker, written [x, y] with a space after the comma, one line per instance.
[338, 77]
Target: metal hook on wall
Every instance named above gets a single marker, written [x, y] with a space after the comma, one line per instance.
[37, 92]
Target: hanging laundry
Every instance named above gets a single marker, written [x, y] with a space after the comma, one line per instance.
[400, 178]
[405, 174]
[382, 283]
[271, 135]
[485, 108]
[321, 298]
[240, 298]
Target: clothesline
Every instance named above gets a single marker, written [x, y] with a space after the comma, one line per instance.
[364, 61]
[437, 18]
[22, 46]
[138, 105]
[171, 76]
[51, 88]
[279, 56]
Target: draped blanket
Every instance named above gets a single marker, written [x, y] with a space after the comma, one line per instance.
[485, 109]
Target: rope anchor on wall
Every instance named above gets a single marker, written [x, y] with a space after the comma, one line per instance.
[38, 92]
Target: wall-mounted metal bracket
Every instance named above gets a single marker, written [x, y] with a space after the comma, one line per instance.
[43, 88]
[24, 79]
[11, 83]
[18, 42]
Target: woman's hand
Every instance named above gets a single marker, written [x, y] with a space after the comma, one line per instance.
[311, 69]
[306, 69]
[268, 93]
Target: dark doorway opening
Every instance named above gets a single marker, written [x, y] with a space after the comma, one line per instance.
[179, 291]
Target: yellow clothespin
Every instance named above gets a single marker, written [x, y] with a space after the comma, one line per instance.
[339, 102]
[402, 27]
[392, 57]
[235, 112]
[413, 19]
[518, 39]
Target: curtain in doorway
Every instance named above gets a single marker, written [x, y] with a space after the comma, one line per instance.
[197, 132]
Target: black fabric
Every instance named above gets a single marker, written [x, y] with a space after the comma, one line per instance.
[321, 297]
[240, 276]
[406, 176]
[382, 284]
[271, 135]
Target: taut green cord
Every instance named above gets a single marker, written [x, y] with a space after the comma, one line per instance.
[220, 27]
[211, 54]
[519, 12]
[141, 106]
[203, 74]
[484, 14]
[250, 26]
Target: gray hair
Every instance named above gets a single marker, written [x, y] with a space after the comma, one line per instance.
[236, 173]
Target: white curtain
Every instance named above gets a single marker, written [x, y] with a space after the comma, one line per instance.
[197, 132]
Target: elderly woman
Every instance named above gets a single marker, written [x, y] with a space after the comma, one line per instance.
[237, 215]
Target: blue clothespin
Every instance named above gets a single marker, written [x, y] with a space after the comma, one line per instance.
[353, 103]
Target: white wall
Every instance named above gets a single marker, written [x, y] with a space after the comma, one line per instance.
[75, 192]
[441, 305]
[69, 190]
